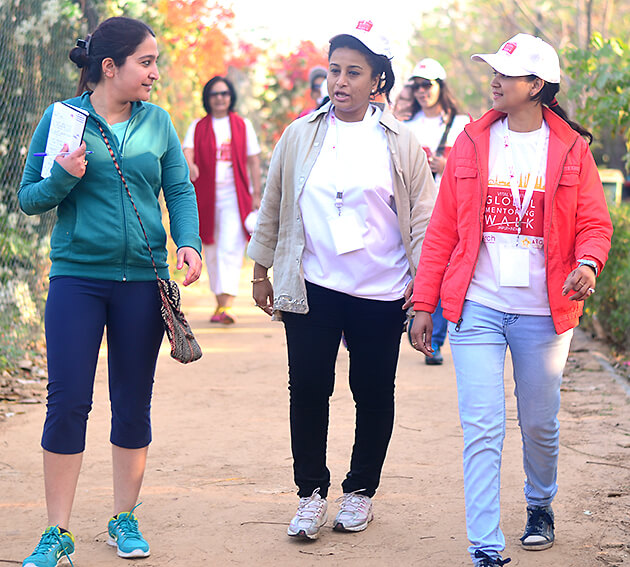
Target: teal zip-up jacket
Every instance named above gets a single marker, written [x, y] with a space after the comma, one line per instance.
[97, 233]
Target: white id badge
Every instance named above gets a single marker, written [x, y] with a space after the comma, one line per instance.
[513, 266]
[346, 232]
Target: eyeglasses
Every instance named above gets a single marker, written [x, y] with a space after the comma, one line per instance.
[219, 93]
[426, 84]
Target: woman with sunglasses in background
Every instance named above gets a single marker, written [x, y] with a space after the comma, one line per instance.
[221, 149]
[436, 122]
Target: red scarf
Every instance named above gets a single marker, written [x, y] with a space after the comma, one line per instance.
[206, 160]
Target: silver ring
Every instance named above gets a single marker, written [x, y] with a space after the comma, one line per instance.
[591, 290]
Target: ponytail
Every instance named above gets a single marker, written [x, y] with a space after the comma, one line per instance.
[547, 96]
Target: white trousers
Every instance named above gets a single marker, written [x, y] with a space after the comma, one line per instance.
[224, 258]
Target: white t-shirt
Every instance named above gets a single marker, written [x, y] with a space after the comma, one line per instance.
[223, 136]
[354, 160]
[500, 225]
[429, 130]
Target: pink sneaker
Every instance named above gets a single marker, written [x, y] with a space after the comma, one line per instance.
[224, 316]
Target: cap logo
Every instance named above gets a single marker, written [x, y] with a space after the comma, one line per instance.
[365, 25]
[509, 47]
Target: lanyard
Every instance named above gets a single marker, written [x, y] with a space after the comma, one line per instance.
[338, 194]
[338, 166]
[521, 207]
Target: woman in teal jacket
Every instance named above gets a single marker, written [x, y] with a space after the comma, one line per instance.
[101, 273]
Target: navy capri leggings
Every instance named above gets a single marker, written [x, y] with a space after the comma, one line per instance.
[77, 311]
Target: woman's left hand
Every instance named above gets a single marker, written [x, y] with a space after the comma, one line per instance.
[582, 281]
[189, 256]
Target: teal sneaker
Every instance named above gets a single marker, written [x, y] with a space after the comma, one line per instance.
[125, 535]
[53, 549]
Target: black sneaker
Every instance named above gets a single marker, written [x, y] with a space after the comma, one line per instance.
[539, 529]
[487, 561]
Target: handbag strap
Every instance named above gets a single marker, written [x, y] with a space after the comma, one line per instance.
[442, 144]
[122, 177]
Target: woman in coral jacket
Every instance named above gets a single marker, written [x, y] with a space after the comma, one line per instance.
[518, 236]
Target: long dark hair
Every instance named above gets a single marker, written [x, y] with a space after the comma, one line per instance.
[381, 66]
[205, 95]
[447, 99]
[117, 38]
[547, 96]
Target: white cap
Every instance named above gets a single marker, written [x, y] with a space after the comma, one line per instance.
[428, 69]
[523, 55]
[368, 34]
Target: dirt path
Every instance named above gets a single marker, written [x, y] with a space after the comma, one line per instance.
[219, 490]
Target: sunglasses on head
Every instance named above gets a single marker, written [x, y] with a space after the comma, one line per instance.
[424, 84]
[219, 93]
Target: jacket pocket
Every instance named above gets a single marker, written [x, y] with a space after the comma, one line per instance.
[465, 171]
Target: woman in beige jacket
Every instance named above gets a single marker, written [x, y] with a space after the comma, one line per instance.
[348, 198]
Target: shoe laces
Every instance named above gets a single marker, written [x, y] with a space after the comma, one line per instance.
[488, 561]
[49, 539]
[310, 506]
[538, 519]
[127, 523]
[353, 501]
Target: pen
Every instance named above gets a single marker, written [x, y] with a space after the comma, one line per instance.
[44, 154]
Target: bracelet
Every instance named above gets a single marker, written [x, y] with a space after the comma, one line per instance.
[258, 280]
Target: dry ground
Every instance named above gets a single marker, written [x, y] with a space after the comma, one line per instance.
[219, 491]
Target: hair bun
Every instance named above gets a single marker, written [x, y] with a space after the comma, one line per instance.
[79, 57]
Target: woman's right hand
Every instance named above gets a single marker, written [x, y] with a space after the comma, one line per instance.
[75, 162]
[421, 331]
[262, 289]
[194, 172]
[262, 292]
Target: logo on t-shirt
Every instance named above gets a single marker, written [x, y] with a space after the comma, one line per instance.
[501, 217]
[224, 151]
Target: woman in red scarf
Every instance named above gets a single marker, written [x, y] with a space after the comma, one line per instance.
[221, 149]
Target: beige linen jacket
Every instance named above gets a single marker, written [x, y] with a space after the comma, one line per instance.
[278, 239]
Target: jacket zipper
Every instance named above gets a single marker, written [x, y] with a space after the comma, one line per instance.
[472, 273]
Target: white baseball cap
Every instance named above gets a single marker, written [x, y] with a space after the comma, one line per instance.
[369, 35]
[522, 55]
[428, 69]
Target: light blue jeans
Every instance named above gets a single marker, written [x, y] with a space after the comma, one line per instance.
[478, 345]
[440, 326]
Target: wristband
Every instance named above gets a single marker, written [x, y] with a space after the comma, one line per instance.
[590, 264]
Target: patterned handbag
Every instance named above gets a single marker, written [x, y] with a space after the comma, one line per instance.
[184, 346]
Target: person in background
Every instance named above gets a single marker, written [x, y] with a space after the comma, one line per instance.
[223, 155]
[405, 105]
[102, 274]
[519, 234]
[436, 124]
[347, 200]
[317, 83]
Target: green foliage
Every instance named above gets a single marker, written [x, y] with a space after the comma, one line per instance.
[601, 75]
[608, 308]
[35, 38]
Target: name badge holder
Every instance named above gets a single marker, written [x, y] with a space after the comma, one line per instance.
[514, 260]
[345, 226]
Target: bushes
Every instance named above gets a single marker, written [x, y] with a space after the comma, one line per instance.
[609, 309]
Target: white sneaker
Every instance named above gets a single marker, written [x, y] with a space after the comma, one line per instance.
[354, 514]
[311, 515]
